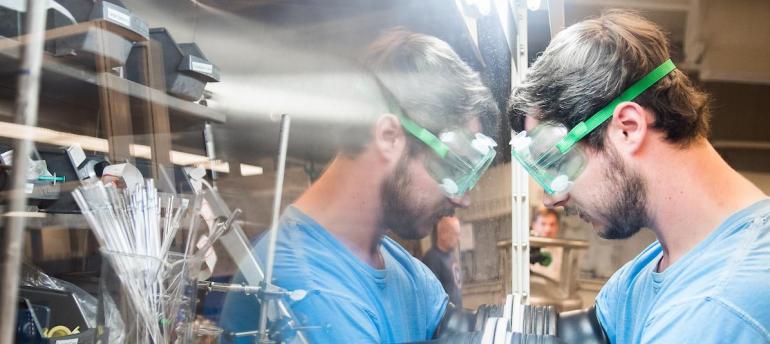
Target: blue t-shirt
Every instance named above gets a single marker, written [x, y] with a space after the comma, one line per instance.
[349, 300]
[719, 292]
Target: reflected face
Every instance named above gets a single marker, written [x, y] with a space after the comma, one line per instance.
[412, 201]
[448, 231]
[610, 195]
[546, 226]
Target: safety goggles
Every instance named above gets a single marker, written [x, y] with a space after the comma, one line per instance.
[460, 158]
[549, 152]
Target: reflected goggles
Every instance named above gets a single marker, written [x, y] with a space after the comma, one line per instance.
[459, 157]
[549, 152]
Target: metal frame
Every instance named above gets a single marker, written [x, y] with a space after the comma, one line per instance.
[519, 177]
[237, 244]
[273, 235]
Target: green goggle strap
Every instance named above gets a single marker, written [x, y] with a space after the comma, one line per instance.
[583, 128]
[413, 128]
[425, 136]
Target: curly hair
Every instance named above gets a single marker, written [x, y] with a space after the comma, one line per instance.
[428, 80]
[592, 62]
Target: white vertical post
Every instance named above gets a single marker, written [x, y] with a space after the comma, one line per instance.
[273, 235]
[519, 177]
[693, 42]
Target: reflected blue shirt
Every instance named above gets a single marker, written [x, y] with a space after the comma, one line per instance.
[719, 292]
[348, 300]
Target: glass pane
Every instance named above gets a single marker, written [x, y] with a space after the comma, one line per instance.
[156, 156]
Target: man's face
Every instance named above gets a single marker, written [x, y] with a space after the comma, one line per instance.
[610, 195]
[546, 225]
[412, 201]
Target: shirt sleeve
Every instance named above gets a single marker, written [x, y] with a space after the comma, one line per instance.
[703, 321]
[605, 304]
[336, 319]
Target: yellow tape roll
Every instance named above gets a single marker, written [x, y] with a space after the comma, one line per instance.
[60, 331]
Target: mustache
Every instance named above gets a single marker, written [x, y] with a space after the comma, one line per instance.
[447, 211]
[443, 212]
[574, 211]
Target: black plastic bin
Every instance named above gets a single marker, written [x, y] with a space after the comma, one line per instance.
[13, 18]
[51, 308]
[187, 70]
[83, 47]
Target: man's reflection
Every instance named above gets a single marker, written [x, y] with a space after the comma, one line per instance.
[404, 174]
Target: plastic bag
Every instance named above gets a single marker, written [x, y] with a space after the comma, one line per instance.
[31, 276]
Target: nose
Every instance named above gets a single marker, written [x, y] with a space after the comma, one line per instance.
[463, 201]
[553, 201]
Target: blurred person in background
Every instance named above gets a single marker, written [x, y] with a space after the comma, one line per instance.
[442, 258]
[546, 223]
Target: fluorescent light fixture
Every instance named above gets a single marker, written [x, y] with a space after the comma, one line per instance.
[31, 214]
[534, 5]
[58, 138]
[250, 170]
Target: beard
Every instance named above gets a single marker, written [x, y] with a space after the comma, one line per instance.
[625, 211]
[401, 213]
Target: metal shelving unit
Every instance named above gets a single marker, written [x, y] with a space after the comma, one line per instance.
[70, 95]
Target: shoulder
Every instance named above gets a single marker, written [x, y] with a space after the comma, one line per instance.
[685, 321]
[302, 249]
[743, 286]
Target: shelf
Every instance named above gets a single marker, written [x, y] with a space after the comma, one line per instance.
[57, 221]
[73, 81]
[549, 242]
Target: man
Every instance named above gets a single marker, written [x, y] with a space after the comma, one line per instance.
[442, 260]
[546, 223]
[421, 150]
[637, 156]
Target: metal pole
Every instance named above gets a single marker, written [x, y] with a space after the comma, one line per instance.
[284, 146]
[208, 138]
[26, 113]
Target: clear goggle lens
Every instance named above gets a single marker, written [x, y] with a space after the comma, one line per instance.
[536, 151]
[467, 158]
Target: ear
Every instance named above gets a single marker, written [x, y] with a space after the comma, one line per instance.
[628, 127]
[530, 122]
[389, 137]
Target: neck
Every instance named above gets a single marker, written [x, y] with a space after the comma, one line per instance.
[691, 192]
[345, 200]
